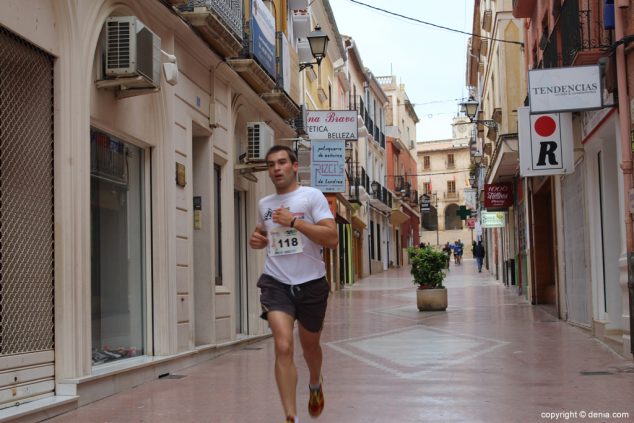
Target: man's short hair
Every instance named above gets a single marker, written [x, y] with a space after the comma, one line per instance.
[276, 148]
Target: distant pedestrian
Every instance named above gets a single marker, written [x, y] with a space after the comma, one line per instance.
[479, 254]
[294, 224]
[447, 250]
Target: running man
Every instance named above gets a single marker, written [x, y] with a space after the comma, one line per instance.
[294, 224]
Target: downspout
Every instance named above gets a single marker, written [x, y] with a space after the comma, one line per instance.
[626, 149]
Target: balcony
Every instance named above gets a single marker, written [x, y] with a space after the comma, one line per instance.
[583, 35]
[381, 198]
[358, 183]
[219, 23]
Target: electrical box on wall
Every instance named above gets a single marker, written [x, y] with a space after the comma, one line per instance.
[260, 138]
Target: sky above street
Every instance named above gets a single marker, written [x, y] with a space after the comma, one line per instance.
[429, 61]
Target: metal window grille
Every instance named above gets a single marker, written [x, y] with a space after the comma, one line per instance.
[26, 197]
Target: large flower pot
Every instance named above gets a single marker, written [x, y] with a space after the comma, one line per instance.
[431, 299]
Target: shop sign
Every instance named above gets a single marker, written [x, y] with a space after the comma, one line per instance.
[470, 198]
[327, 166]
[546, 143]
[498, 196]
[565, 89]
[263, 36]
[425, 202]
[332, 124]
[492, 219]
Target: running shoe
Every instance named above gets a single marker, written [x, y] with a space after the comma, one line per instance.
[316, 401]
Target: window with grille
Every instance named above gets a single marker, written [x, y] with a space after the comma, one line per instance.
[426, 162]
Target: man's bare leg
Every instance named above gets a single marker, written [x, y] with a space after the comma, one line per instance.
[285, 371]
[312, 353]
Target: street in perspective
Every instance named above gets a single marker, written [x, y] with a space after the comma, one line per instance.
[277, 211]
[491, 357]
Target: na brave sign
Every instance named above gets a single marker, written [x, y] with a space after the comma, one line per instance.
[565, 89]
[332, 124]
[546, 143]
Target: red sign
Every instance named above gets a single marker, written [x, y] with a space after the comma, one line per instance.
[498, 196]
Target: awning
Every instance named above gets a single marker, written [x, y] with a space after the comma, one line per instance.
[397, 217]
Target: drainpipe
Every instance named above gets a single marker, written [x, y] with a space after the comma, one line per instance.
[626, 150]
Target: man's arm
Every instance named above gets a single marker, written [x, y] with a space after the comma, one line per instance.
[323, 232]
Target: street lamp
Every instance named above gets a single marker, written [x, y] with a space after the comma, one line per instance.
[318, 42]
[375, 188]
[470, 108]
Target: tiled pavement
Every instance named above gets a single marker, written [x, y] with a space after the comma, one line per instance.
[491, 357]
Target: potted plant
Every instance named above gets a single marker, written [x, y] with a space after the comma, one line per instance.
[428, 267]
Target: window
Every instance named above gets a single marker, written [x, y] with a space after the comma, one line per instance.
[427, 188]
[450, 161]
[118, 280]
[218, 225]
[451, 187]
[426, 162]
[329, 96]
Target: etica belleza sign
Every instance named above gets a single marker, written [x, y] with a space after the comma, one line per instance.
[332, 124]
[498, 196]
[565, 89]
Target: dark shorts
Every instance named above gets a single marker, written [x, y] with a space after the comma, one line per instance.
[305, 302]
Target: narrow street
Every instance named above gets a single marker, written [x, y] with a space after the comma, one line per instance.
[491, 357]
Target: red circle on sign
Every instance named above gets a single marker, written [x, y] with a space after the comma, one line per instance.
[545, 126]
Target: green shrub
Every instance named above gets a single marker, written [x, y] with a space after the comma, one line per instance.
[427, 267]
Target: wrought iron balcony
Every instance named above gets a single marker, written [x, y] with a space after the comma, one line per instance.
[358, 183]
[219, 22]
[582, 32]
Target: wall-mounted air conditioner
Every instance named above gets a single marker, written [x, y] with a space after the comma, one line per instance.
[132, 53]
[260, 138]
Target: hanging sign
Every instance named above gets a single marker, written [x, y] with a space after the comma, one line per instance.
[327, 166]
[565, 89]
[546, 143]
[498, 196]
[332, 124]
[492, 219]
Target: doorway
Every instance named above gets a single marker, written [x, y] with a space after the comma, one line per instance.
[241, 282]
[544, 261]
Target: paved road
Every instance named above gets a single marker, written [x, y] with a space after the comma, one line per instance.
[491, 357]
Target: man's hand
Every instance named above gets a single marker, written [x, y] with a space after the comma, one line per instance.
[258, 238]
[282, 216]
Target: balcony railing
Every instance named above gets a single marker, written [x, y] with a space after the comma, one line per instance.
[582, 31]
[357, 177]
[229, 11]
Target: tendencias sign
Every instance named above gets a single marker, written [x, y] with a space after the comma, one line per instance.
[565, 89]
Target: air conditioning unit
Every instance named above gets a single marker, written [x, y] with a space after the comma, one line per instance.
[260, 138]
[132, 52]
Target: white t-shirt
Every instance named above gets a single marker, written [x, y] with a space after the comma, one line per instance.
[305, 203]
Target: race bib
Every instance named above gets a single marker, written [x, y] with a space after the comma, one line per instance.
[283, 241]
